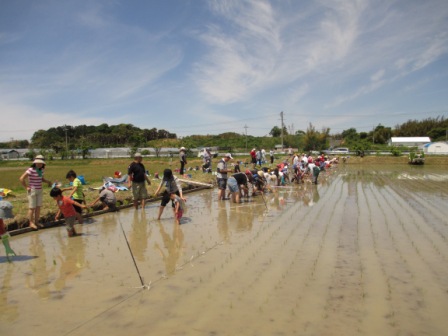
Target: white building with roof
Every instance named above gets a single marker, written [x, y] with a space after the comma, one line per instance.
[109, 153]
[409, 141]
[436, 148]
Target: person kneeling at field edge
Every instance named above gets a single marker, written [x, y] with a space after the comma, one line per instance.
[107, 198]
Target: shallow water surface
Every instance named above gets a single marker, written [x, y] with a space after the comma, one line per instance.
[363, 253]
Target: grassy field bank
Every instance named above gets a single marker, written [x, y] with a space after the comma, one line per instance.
[94, 170]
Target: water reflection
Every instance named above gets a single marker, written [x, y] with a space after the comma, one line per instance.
[241, 217]
[172, 244]
[109, 224]
[222, 221]
[71, 259]
[140, 234]
[9, 308]
[37, 278]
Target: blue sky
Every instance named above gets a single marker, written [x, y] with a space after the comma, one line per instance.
[208, 67]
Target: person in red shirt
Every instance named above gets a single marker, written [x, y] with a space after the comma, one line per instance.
[66, 208]
[253, 157]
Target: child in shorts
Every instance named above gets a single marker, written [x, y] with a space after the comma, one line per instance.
[76, 193]
[66, 208]
[178, 207]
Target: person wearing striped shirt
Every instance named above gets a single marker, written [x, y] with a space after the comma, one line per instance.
[35, 177]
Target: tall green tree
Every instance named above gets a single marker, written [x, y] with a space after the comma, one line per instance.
[315, 140]
[381, 134]
[277, 131]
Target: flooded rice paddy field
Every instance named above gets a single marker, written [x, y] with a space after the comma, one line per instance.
[363, 253]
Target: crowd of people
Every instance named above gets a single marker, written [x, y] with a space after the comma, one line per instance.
[259, 176]
[262, 178]
[71, 205]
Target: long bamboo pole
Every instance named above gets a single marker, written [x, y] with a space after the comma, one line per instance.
[196, 183]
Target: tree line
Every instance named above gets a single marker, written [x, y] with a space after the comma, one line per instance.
[66, 139]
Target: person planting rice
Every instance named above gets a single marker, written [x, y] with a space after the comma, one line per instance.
[237, 183]
[107, 198]
[172, 185]
[76, 193]
[178, 207]
[314, 171]
[66, 208]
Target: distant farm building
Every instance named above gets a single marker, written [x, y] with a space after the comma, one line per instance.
[409, 141]
[436, 148]
[10, 154]
[108, 153]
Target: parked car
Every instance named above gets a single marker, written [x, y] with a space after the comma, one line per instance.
[201, 153]
[338, 151]
[341, 150]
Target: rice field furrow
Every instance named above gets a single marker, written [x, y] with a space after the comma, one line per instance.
[430, 244]
[254, 293]
[345, 304]
[316, 262]
[433, 184]
[402, 272]
[427, 209]
[378, 309]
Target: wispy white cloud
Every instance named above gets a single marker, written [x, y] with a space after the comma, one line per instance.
[115, 63]
[220, 60]
[399, 43]
[238, 60]
[378, 75]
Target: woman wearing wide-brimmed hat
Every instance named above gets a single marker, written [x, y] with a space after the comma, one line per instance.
[35, 177]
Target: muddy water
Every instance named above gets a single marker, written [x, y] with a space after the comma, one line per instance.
[363, 253]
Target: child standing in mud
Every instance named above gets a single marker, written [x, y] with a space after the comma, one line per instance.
[178, 207]
[172, 185]
[76, 193]
[66, 208]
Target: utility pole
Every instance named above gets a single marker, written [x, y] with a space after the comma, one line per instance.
[281, 116]
[66, 139]
[245, 126]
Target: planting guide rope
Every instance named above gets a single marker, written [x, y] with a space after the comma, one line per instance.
[143, 286]
[162, 277]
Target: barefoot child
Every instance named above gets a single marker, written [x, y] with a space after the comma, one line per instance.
[107, 198]
[76, 193]
[178, 207]
[66, 207]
